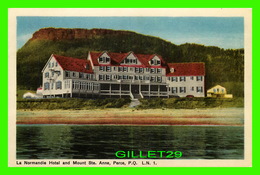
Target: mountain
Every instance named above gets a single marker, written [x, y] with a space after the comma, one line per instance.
[223, 66]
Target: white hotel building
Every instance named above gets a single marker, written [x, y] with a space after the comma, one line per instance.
[116, 75]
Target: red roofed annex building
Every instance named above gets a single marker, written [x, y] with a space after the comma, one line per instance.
[105, 74]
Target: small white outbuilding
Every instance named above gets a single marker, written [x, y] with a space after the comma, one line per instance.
[29, 95]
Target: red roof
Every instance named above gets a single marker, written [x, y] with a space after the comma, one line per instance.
[73, 64]
[95, 56]
[79, 65]
[186, 69]
[116, 58]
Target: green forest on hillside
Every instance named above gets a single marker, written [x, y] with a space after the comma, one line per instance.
[223, 66]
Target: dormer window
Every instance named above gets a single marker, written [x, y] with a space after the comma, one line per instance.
[104, 59]
[129, 61]
[172, 70]
[87, 67]
[155, 61]
[47, 75]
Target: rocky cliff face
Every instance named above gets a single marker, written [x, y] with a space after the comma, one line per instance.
[70, 34]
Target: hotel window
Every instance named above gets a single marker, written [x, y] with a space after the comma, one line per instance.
[108, 69]
[175, 79]
[152, 78]
[152, 62]
[46, 86]
[80, 85]
[101, 68]
[49, 65]
[134, 61]
[52, 65]
[199, 89]
[182, 78]
[137, 69]
[159, 79]
[131, 61]
[115, 77]
[136, 77]
[58, 85]
[47, 75]
[52, 73]
[100, 77]
[108, 77]
[87, 76]
[125, 77]
[87, 66]
[100, 59]
[199, 78]
[192, 88]
[67, 74]
[147, 78]
[84, 85]
[131, 69]
[141, 70]
[125, 69]
[56, 64]
[140, 77]
[107, 59]
[158, 62]
[119, 77]
[74, 74]
[174, 90]
[130, 77]
[120, 69]
[81, 75]
[147, 69]
[191, 78]
[152, 70]
[182, 89]
[159, 70]
[114, 68]
[76, 85]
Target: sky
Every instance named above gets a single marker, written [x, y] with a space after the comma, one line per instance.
[223, 32]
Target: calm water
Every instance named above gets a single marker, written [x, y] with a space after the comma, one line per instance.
[96, 142]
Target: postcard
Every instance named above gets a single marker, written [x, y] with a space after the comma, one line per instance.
[126, 87]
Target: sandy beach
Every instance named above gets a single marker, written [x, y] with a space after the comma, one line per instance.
[213, 116]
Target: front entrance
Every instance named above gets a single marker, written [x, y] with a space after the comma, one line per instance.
[135, 89]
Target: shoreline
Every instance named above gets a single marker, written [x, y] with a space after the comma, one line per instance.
[210, 116]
